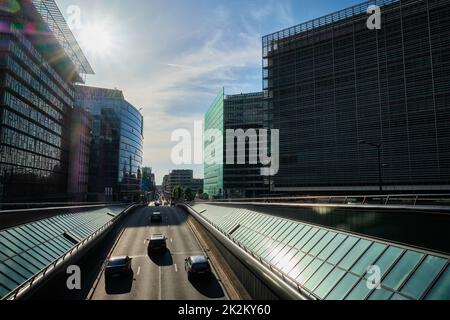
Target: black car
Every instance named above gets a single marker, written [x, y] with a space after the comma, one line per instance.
[157, 244]
[118, 266]
[157, 204]
[156, 217]
[198, 266]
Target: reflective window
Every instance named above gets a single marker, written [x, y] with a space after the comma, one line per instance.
[387, 260]
[343, 287]
[330, 249]
[342, 250]
[360, 292]
[441, 290]
[317, 278]
[328, 284]
[355, 254]
[368, 258]
[381, 294]
[402, 270]
[423, 277]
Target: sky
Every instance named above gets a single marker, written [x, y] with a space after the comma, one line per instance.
[172, 57]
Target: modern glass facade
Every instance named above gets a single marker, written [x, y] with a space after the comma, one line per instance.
[213, 182]
[244, 112]
[332, 83]
[234, 112]
[117, 144]
[36, 96]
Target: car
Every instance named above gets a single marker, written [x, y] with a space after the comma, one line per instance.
[156, 217]
[157, 244]
[173, 204]
[118, 266]
[197, 266]
[157, 204]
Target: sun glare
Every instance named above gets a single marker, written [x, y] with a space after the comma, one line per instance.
[97, 39]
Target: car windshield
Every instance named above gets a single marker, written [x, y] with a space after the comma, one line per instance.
[201, 266]
[158, 242]
[117, 263]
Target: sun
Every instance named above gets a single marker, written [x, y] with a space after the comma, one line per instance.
[97, 39]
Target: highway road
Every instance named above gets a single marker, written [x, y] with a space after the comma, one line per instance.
[157, 277]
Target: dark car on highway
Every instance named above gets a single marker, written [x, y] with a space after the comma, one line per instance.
[157, 244]
[156, 217]
[118, 266]
[198, 266]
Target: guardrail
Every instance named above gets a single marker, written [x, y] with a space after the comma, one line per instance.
[284, 287]
[393, 199]
[41, 275]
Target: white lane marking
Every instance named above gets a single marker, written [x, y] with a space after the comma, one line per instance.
[139, 271]
[176, 267]
[160, 285]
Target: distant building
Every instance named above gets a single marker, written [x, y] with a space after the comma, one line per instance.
[148, 182]
[115, 169]
[40, 61]
[80, 144]
[332, 83]
[234, 112]
[197, 185]
[181, 178]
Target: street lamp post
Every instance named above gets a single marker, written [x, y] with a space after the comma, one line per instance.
[379, 146]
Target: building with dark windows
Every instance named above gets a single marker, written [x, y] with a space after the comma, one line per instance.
[115, 168]
[338, 91]
[80, 144]
[148, 183]
[235, 112]
[40, 61]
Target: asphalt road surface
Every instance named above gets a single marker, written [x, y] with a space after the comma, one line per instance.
[159, 277]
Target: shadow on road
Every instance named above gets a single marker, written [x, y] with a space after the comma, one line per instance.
[161, 259]
[208, 286]
[122, 285]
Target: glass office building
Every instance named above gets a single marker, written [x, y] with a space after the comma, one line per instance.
[40, 61]
[213, 170]
[333, 86]
[244, 111]
[234, 112]
[115, 168]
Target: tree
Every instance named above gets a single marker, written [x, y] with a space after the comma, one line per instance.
[177, 192]
[189, 194]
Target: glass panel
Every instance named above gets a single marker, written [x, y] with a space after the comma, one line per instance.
[423, 277]
[398, 296]
[299, 236]
[441, 290]
[322, 243]
[306, 238]
[360, 292]
[7, 282]
[404, 267]
[329, 282]
[342, 250]
[309, 271]
[300, 267]
[343, 288]
[329, 249]
[368, 258]
[12, 274]
[381, 294]
[355, 254]
[387, 260]
[287, 232]
[317, 278]
[290, 260]
[294, 233]
[317, 237]
[26, 274]
[282, 230]
[27, 264]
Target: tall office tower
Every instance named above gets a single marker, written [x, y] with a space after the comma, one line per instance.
[230, 178]
[40, 61]
[116, 155]
[339, 91]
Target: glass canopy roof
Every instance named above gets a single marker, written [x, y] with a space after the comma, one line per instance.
[26, 250]
[326, 264]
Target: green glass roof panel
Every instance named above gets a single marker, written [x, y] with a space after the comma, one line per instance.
[423, 277]
[360, 291]
[319, 276]
[402, 269]
[388, 259]
[343, 287]
[328, 284]
[354, 254]
[441, 290]
[342, 250]
[368, 258]
[381, 294]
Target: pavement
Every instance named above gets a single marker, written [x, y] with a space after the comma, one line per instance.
[159, 277]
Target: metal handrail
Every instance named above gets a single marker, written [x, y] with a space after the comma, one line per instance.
[63, 258]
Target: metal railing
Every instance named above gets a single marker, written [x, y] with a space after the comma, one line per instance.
[27, 285]
[386, 200]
